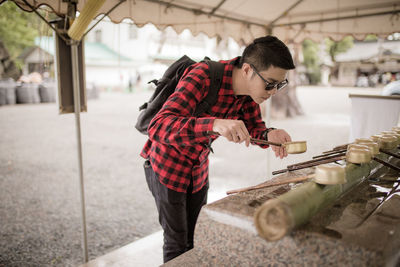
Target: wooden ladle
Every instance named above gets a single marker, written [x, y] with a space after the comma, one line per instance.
[295, 147]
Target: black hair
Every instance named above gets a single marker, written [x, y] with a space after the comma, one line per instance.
[266, 51]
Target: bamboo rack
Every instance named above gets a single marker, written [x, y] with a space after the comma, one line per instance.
[278, 216]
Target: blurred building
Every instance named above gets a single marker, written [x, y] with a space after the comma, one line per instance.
[120, 56]
[37, 59]
[103, 65]
[153, 50]
[368, 64]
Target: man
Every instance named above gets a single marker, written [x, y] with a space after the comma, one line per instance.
[176, 153]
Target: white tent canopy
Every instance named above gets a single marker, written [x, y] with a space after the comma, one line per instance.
[243, 20]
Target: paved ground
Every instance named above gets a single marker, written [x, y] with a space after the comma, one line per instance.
[39, 194]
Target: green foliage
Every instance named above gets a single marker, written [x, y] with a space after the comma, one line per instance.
[371, 37]
[19, 28]
[311, 55]
[333, 48]
[311, 61]
[16, 29]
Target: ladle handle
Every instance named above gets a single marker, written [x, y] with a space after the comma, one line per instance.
[326, 154]
[255, 140]
[390, 153]
[317, 159]
[272, 183]
[341, 147]
[387, 164]
[308, 165]
[312, 164]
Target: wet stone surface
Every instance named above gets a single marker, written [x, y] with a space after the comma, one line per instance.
[362, 228]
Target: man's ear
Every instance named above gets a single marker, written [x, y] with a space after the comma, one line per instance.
[246, 68]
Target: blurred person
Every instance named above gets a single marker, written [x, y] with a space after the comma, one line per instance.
[46, 75]
[24, 79]
[373, 80]
[138, 80]
[130, 84]
[35, 77]
[177, 150]
[387, 77]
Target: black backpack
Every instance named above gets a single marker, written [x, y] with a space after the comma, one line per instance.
[167, 84]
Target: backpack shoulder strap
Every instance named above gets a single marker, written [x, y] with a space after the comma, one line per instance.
[216, 75]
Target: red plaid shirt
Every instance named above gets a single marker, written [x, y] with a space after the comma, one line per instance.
[178, 142]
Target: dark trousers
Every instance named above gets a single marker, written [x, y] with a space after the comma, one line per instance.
[177, 213]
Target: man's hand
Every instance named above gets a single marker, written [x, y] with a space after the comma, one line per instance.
[279, 136]
[233, 130]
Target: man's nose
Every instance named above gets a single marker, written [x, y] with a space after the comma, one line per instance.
[273, 91]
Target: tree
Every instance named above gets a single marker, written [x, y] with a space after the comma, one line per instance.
[312, 61]
[333, 48]
[19, 28]
[7, 66]
[371, 38]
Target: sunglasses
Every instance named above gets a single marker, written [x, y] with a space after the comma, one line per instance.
[269, 86]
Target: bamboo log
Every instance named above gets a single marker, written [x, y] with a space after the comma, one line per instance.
[278, 216]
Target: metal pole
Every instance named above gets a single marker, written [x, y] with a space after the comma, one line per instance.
[268, 122]
[77, 106]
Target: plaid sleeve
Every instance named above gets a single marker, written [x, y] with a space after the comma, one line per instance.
[253, 121]
[175, 123]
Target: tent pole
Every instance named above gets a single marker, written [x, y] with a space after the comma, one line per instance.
[77, 107]
[269, 151]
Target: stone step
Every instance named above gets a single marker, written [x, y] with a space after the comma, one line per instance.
[146, 252]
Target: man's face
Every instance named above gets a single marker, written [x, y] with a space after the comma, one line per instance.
[257, 84]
